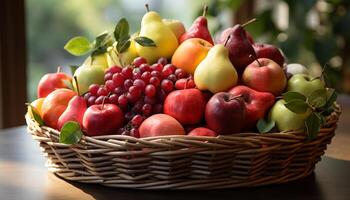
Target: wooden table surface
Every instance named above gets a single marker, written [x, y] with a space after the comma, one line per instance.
[23, 175]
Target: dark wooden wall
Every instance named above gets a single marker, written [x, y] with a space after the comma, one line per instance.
[12, 63]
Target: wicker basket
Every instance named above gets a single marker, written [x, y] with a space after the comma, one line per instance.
[185, 162]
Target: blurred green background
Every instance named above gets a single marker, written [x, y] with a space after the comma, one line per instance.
[310, 32]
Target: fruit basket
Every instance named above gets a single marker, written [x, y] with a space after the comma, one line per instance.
[167, 108]
[184, 162]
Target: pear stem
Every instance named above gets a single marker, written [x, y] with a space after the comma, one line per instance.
[205, 10]
[58, 69]
[248, 22]
[76, 83]
[236, 97]
[255, 58]
[147, 7]
[227, 39]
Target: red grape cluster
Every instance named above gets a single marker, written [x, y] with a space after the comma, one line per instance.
[138, 89]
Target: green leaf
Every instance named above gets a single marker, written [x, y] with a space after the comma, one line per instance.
[297, 106]
[145, 41]
[73, 68]
[123, 46]
[78, 46]
[318, 98]
[313, 125]
[35, 115]
[70, 133]
[121, 29]
[100, 40]
[289, 96]
[332, 97]
[265, 126]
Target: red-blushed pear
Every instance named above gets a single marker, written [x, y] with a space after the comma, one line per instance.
[190, 53]
[186, 106]
[225, 113]
[199, 29]
[74, 111]
[52, 81]
[160, 125]
[264, 75]
[54, 105]
[202, 131]
[228, 31]
[269, 51]
[256, 103]
[102, 119]
[239, 47]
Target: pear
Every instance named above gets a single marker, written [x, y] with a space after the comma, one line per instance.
[216, 72]
[166, 42]
[176, 26]
[99, 60]
[74, 112]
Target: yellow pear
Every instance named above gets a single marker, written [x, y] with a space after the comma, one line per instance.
[166, 42]
[126, 57]
[216, 72]
[176, 26]
[99, 61]
[112, 57]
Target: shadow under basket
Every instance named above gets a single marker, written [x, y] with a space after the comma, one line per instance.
[185, 162]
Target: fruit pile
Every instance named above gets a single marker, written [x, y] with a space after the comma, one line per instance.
[163, 80]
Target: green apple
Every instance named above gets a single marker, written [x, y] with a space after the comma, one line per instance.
[176, 26]
[304, 84]
[285, 119]
[87, 75]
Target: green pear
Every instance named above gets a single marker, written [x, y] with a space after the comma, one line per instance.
[87, 75]
[216, 72]
[166, 42]
[285, 119]
[304, 84]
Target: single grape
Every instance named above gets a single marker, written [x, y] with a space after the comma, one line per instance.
[127, 72]
[91, 100]
[171, 67]
[154, 81]
[110, 85]
[122, 100]
[150, 90]
[157, 67]
[102, 91]
[135, 91]
[147, 109]
[108, 76]
[139, 83]
[167, 85]
[146, 76]
[137, 120]
[172, 77]
[161, 94]
[136, 75]
[157, 74]
[118, 91]
[134, 132]
[128, 83]
[138, 61]
[99, 100]
[114, 69]
[158, 108]
[145, 67]
[93, 89]
[118, 79]
[150, 100]
[132, 98]
[162, 61]
[113, 99]
[166, 72]
[180, 73]
[87, 96]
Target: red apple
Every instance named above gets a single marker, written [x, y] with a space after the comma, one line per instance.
[159, 125]
[257, 103]
[102, 119]
[265, 75]
[269, 51]
[201, 131]
[186, 106]
[52, 81]
[225, 113]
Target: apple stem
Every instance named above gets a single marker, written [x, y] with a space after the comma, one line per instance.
[236, 97]
[76, 83]
[147, 7]
[248, 22]
[103, 102]
[255, 58]
[205, 10]
[227, 39]
[58, 69]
